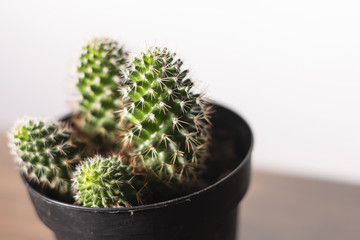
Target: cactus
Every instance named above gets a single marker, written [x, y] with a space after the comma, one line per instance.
[106, 182]
[170, 122]
[46, 152]
[146, 112]
[99, 76]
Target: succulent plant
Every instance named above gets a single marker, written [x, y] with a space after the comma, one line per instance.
[146, 112]
[106, 182]
[170, 122]
[46, 152]
[99, 75]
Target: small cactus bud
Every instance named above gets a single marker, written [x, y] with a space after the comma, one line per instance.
[106, 182]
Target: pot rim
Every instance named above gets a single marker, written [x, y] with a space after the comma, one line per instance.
[175, 201]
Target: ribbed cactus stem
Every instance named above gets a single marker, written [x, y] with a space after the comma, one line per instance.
[170, 122]
[46, 152]
[99, 75]
[106, 182]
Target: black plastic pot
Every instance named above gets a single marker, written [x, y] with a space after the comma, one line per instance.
[208, 214]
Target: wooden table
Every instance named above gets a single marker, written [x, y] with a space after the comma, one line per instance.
[277, 207]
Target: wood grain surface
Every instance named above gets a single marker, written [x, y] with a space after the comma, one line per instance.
[277, 207]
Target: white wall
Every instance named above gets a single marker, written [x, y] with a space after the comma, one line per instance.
[292, 68]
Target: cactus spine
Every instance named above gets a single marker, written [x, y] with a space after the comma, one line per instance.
[46, 152]
[99, 76]
[169, 121]
[105, 182]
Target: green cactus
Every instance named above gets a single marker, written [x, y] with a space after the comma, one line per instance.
[99, 76]
[106, 182]
[170, 122]
[46, 152]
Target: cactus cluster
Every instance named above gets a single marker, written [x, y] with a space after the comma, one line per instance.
[100, 72]
[138, 125]
[169, 121]
[46, 152]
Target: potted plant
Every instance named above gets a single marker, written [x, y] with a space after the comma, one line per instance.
[141, 157]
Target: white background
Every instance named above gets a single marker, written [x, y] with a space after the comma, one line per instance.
[292, 68]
